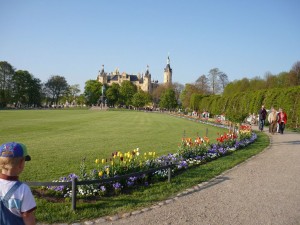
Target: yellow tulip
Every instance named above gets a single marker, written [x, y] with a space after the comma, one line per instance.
[153, 154]
[103, 161]
[112, 163]
[97, 161]
[100, 174]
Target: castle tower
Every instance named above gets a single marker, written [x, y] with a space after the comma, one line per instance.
[168, 73]
[147, 81]
[102, 76]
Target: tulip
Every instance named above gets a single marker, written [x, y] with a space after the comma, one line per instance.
[97, 161]
[100, 174]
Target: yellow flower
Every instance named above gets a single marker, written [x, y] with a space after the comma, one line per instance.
[145, 154]
[97, 161]
[103, 161]
[115, 156]
[153, 154]
[137, 153]
[100, 173]
[150, 153]
[112, 163]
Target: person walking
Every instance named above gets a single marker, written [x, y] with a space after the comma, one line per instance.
[262, 114]
[272, 118]
[282, 119]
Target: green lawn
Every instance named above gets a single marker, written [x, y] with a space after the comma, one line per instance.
[58, 140]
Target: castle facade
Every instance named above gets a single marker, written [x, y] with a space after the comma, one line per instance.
[142, 81]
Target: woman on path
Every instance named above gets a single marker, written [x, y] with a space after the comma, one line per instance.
[282, 119]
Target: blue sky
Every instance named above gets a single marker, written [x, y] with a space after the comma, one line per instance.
[73, 38]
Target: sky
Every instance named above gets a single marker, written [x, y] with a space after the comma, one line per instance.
[74, 38]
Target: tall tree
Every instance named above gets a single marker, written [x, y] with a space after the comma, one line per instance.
[6, 74]
[113, 94]
[223, 80]
[168, 99]
[178, 88]
[72, 93]
[156, 94]
[26, 89]
[127, 90]
[295, 71]
[186, 94]
[92, 91]
[218, 80]
[55, 87]
[202, 84]
[141, 98]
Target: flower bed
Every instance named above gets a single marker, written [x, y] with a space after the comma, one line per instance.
[190, 153]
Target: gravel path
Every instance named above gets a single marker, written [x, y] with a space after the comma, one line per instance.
[263, 190]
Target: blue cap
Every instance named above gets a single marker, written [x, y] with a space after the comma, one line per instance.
[14, 150]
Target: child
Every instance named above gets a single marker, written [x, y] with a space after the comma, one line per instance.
[17, 203]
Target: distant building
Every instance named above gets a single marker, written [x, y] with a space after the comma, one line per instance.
[140, 80]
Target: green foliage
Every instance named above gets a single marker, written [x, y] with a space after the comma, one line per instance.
[6, 74]
[168, 99]
[238, 105]
[140, 99]
[113, 94]
[56, 87]
[92, 91]
[26, 89]
[127, 90]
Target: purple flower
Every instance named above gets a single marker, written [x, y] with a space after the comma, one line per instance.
[117, 186]
[103, 188]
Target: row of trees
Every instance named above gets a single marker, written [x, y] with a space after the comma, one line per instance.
[22, 89]
[237, 106]
[128, 94]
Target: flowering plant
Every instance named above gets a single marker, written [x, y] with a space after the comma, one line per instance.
[190, 149]
[190, 152]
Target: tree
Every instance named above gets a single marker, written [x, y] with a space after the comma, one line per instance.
[72, 93]
[295, 71]
[156, 94]
[168, 99]
[178, 88]
[140, 99]
[127, 90]
[6, 74]
[223, 80]
[26, 89]
[55, 87]
[186, 94]
[218, 80]
[92, 91]
[202, 84]
[113, 94]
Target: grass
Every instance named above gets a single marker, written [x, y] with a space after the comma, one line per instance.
[58, 140]
[146, 196]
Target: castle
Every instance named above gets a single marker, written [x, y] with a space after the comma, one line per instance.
[142, 81]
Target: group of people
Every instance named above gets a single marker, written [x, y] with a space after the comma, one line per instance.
[277, 120]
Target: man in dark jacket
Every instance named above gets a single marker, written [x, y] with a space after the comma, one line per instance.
[262, 114]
